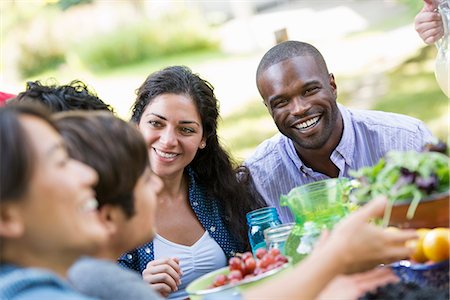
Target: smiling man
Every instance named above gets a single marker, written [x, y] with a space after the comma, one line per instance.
[319, 138]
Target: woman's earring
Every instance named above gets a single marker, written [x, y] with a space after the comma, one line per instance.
[202, 145]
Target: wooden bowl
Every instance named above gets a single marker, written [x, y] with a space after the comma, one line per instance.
[431, 212]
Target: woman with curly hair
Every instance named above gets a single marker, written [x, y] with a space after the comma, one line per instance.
[201, 213]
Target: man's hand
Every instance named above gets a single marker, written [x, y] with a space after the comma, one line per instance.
[360, 245]
[428, 22]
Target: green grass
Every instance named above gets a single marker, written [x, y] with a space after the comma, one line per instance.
[411, 97]
[386, 24]
[413, 91]
[148, 66]
[243, 130]
[143, 68]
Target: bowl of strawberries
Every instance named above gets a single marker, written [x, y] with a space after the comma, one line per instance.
[243, 271]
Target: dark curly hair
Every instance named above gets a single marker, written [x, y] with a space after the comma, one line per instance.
[74, 96]
[212, 165]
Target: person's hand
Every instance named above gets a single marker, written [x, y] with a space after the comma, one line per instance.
[357, 285]
[163, 275]
[360, 245]
[428, 22]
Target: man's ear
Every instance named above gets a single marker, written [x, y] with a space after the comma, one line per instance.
[11, 221]
[109, 216]
[333, 84]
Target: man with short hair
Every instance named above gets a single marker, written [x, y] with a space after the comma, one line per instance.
[319, 138]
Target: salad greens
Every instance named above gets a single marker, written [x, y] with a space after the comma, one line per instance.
[404, 176]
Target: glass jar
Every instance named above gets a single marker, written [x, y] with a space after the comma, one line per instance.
[442, 63]
[259, 220]
[276, 236]
[316, 206]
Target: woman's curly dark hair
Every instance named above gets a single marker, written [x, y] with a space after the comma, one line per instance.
[74, 96]
[212, 165]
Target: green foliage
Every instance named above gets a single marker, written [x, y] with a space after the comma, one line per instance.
[243, 130]
[404, 176]
[178, 32]
[66, 4]
[35, 60]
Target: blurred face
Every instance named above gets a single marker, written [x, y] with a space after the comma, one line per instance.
[140, 228]
[173, 131]
[58, 210]
[301, 97]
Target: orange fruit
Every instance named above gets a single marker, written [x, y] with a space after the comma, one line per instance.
[418, 255]
[436, 244]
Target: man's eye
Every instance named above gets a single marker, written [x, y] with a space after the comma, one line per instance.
[312, 90]
[279, 102]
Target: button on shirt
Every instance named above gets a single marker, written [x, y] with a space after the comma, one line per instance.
[368, 135]
[210, 215]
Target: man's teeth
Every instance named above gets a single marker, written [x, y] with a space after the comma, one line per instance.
[309, 123]
[90, 205]
[165, 154]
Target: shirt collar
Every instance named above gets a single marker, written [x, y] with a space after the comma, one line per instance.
[345, 148]
[291, 152]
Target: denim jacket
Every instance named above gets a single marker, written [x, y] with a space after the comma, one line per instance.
[210, 215]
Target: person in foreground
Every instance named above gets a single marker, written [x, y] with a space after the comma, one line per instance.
[354, 245]
[127, 192]
[319, 138]
[428, 22]
[201, 213]
[48, 216]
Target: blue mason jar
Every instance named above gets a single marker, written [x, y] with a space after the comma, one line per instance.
[259, 220]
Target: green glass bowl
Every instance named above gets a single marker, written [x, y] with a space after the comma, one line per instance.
[201, 287]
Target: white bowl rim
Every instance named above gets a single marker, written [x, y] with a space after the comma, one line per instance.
[231, 286]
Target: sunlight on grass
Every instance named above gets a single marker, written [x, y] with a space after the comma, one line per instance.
[414, 91]
[149, 66]
[243, 130]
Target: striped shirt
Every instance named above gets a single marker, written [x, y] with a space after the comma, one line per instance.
[276, 168]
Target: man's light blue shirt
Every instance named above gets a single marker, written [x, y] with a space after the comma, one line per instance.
[368, 135]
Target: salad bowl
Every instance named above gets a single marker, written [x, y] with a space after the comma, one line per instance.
[431, 212]
[416, 185]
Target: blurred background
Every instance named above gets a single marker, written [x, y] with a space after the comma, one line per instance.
[371, 46]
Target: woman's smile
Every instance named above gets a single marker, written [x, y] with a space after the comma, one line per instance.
[167, 156]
